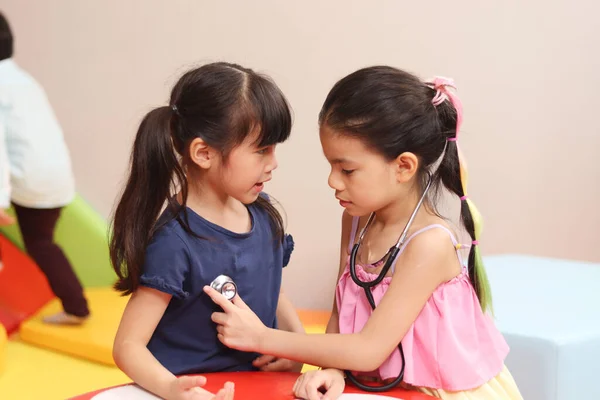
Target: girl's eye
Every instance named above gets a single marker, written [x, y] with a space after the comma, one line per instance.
[347, 171]
[263, 151]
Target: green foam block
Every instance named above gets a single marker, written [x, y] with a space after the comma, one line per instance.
[82, 234]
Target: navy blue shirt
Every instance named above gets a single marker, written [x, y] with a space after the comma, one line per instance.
[180, 264]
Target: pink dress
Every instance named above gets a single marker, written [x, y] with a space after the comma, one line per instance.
[452, 345]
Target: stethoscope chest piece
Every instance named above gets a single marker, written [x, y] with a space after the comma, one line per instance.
[224, 285]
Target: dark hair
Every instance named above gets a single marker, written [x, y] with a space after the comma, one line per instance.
[6, 39]
[220, 103]
[392, 112]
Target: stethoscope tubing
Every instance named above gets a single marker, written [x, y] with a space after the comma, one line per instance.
[367, 285]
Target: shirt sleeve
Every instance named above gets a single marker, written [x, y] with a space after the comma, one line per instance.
[288, 248]
[167, 264]
[4, 168]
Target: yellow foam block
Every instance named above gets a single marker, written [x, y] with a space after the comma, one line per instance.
[35, 373]
[2, 348]
[92, 340]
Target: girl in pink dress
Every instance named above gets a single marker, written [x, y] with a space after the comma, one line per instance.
[391, 140]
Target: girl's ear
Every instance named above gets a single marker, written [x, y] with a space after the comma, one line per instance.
[201, 153]
[407, 165]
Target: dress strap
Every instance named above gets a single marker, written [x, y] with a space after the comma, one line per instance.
[425, 229]
[353, 233]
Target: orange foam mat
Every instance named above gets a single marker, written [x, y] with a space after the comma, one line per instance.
[314, 317]
[23, 287]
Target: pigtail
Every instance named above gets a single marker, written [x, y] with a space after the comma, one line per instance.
[275, 217]
[154, 172]
[470, 211]
[454, 176]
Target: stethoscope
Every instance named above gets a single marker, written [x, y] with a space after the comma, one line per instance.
[224, 285]
[391, 256]
[227, 287]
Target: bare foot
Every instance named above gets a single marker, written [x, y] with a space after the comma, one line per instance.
[62, 318]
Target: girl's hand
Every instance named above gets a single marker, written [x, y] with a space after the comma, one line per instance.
[269, 363]
[190, 388]
[238, 327]
[226, 393]
[330, 380]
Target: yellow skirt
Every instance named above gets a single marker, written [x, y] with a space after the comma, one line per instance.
[501, 387]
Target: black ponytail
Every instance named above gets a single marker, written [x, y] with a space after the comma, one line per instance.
[453, 176]
[154, 172]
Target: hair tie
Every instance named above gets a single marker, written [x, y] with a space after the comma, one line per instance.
[463, 198]
[441, 85]
[442, 93]
[452, 139]
[475, 243]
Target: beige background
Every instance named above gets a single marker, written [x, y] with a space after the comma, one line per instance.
[527, 73]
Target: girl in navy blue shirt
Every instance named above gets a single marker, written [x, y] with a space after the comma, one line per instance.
[207, 156]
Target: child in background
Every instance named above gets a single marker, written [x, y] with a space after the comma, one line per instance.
[36, 175]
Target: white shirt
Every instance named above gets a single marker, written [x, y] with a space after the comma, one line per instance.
[35, 167]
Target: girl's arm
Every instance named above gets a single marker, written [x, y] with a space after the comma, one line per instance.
[425, 265]
[334, 321]
[333, 326]
[140, 318]
[287, 318]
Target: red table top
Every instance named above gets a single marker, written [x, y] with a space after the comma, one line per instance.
[269, 386]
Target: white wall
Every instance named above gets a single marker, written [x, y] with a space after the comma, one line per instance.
[527, 74]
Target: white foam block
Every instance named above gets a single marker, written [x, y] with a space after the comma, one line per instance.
[549, 313]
